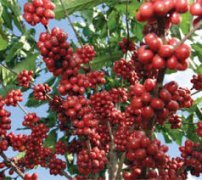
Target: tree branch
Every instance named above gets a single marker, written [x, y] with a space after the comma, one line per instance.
[118, 174]
[12, 164]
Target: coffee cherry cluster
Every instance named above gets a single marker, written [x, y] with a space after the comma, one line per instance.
[172, 170]
[91, 162]
[119, 95]
[13, 97]
[175, 121]
[39, 11]
[86, 125]
[123, 68]
[142, 101]
[76, 106]
[24, 78]
[30, 120]
[120, 138]
[191, 153]
[156, 55]
[41, 91]
[102, 104]
[126, 45]
[199, 129]
[31, 176]
[3, 147]
[55, 50]
[60, 148]
[86, 53]
[196, 10]
[18, 142]
[145, 152]
[168, 10]
[57, 166]
[5, 122]
[197, 82]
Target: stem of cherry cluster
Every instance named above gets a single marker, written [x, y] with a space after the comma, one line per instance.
[70, 22]
[194, 93]
[187, 36]
[12, 164]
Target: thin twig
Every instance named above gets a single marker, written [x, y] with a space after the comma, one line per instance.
[12, 164]
[22, 108]
[189, 34]
[118, 174]
[127, 29]
[194, 93]
[67, 175]
[70, 22]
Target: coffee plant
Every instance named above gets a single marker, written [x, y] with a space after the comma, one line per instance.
[104, 86]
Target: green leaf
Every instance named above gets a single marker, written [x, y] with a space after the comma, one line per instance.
[186, 22]
[4, 91]
[34, 103]
[20, 155]
[28, 63]
[102, 61]
[50, 141]
[3, 43]
[75, 5]
[6, 76]
[175, 134]
[137, 29]
[197, 50]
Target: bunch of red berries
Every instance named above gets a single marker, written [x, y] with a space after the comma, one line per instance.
[126, 45]
[30, 120]
[86, 53]
[39, 11]
[41, 91]
[199, 129]
[156, 55]
[60, 148]
[196, 10]
[55, 50]
[13, 97]
[76, 106]
[57, 166]
[18, 142]
[31, 176]
[175, 121]
[24, 78]
[168, 9]
[191, 154]
[197, 82]
[91, 162]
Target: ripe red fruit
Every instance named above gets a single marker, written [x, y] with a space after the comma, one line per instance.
[147, 112]
[182, 6]
[37, 3]
[157, 103]
[145, 56]
[158, 62]
[136, 103]
[173, 105]
[183, 52]
[150, 84]
[175, 18]
[146, 98]
[196, 9]
[172, 62]
[152, 149]
[153, 41]
[171, 86]
[146, 10]
[138, 89]
[165, 95]
[173, 41]
[160, 9]
[140, 154]
[165, 51]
